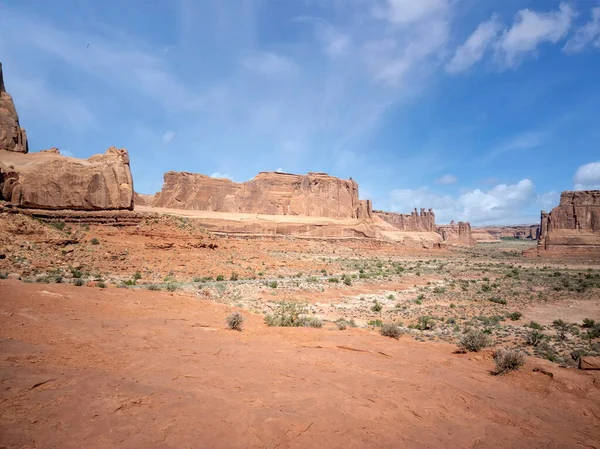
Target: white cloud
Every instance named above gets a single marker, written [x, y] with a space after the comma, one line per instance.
[531, 29]
[67, 153]
[588, 33]
[335, 42]
[268, 63]
[405, 12]
[280, 170]
[500, 205]
[220, 175]
[474, 47]
[446, 179]
[168, 137]
[588, 177]
[524, 141]
[548, 200]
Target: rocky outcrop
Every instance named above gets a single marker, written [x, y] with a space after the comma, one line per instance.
[271, 193]
[48, 180]
[456, 234]
[413, 222]
[521, 232]
[12, 136]
[573, 227]
[141, 199]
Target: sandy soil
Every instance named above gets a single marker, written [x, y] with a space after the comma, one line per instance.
[141, 369]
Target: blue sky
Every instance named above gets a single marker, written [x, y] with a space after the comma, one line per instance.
[484, 111]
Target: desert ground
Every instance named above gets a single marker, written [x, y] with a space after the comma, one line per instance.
[118, 337]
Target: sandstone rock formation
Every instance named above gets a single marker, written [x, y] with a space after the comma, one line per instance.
[573, 227]
[271, 193]
[141, 199]
[12, 136]
[48, 180]
[413, 222]
[526, 232]
[456, 234]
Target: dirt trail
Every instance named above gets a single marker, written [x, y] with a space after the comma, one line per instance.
[84, 367]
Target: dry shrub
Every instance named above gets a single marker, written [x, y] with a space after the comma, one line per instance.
[234, 321]
[508, 360]
[474, 340]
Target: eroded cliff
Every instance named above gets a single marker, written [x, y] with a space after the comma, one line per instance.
[12, 136]
[271, 193]
[423, 221]
[48, 180]
[573, 227]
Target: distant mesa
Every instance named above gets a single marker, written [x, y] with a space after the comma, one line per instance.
[457, 233]
[572, 228]
[271, 193]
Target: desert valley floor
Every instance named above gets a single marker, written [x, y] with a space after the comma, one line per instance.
[117, 337]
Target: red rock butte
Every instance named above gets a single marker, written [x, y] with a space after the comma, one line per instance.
[572, 228]
[12, 136]
[270, 193]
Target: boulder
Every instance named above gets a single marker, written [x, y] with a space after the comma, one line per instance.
[271, 193]
[48, 180]
[589, 363]
[12, 136]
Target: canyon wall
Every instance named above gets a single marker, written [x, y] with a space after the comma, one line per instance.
[572, 228]
[12, 136]
[271, 193]
[456, 234]
[48, 180]
[525, 232]
[413, 222]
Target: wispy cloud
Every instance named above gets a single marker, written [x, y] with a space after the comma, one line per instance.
[587, 177]
[446, 180]
[168, 137]
[531, 29]
[585, 35]
[524, 141]
[474, 47]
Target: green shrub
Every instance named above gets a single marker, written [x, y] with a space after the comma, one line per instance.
[102, 284]
[534, 337]
[220, 278]
[137, 276]
[515, 316]
[235, 321]
[562, 328]
[534, 325]
[77, 282]
[234, 276]
[153, 287]
[376, 323]
[439, 290]
[377, 306]
[425, 323]
[333, 279]
[288, 314]
[587, 322]
[60, 225]
[390, 297]
[311, 321]
[95, 241]
[497, 300]
[474, 340]
[171, 287]
[390, 330]
[348, 281]
[508, 360]
[273, 284]
[341, 324]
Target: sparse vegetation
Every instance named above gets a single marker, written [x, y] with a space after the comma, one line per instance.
[425, 323]
[77, 282]
[390, 330]
[377, 307]
[235, 321]
[95, 241]
[474, 340]
[508, 360]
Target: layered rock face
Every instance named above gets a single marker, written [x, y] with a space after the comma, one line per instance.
[47, 180]
[456, 234]
[271, 193]
[573, 227]
[517, 232]
[12, 136]
[413, 222]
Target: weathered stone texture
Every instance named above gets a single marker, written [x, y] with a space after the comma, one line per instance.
[573, 227]
[48, 180]
[272, 193]
[12, 136]
[413, 222]
[457, 234]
